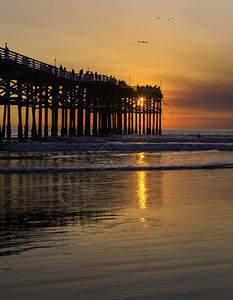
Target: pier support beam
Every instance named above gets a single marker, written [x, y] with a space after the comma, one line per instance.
[160, 114]
[40, 114]
[4, 122]
[34, 130]
[20, 126]
[63, 121]
[46, 113]
[72, 127]
[143, 121]
[119, 114]
[136, 121]
[95, 129]
[7, 96]
[157, 116]
[26, 122]
[8, 122]
[153, 125]
[87, 113]
[54, 128]
[80, 110]
[34, 96]
[149, 113]
[132, 115]
[125, 117]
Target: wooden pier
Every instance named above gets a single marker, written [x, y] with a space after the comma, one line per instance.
[51, 101]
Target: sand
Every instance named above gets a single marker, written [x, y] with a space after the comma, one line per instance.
[117, 235]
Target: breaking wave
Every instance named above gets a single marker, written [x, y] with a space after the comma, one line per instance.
[112, 169]
[123, 144]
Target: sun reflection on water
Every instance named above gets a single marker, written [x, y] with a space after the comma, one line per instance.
[144, 222]
[141, 161]
[142, 201]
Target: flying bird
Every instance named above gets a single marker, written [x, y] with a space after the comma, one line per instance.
[143, 42]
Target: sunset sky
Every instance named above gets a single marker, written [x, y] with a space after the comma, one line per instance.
[190, 54]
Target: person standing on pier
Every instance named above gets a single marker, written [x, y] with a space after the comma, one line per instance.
[6, 51]
[81, 73]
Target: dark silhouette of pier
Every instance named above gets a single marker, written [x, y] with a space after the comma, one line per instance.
[74, 104]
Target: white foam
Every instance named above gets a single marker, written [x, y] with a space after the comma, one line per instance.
[130, 143]
[17, 170]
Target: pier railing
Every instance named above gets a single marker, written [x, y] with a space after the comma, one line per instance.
[7, 54]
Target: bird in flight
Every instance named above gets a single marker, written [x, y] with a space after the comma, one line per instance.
[143, 42]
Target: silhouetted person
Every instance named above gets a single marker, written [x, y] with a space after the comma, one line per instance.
[64, 72]
[72, 74]
[96, 76]
[61, 70]
[198, 135]
[6, 51]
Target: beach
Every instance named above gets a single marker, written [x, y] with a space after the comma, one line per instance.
[117, 224]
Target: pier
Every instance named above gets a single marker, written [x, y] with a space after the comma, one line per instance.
[51, 101]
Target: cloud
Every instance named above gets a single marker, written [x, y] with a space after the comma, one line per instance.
[206, 97]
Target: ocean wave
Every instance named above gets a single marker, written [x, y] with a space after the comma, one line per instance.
[18, 170]
[121, 145]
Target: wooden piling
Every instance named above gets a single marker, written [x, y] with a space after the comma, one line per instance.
[20, 126]
[80, 110]
[153, 122]
[40, 114]
[46, 113]
[4, 122]
[95, 129]
[140, 121]
[7, 95]
[63, 121]
[160, 114]
[26, 122]
[157, 116]
[143, 121]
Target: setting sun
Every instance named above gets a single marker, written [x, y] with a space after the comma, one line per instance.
[140, 101]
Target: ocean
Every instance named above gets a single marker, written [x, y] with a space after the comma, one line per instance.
[121, 217]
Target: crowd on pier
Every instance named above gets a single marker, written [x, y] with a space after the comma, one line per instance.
[6, 54]
[61, 71]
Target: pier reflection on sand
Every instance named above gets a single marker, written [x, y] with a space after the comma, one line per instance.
[107, 235]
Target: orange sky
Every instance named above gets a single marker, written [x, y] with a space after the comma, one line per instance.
[191, 54]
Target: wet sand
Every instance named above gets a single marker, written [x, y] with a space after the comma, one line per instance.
[117, 235]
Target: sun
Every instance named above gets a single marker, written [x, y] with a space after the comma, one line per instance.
[140, 101]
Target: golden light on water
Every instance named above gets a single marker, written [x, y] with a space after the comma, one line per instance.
[142, 201]
[140, 157]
